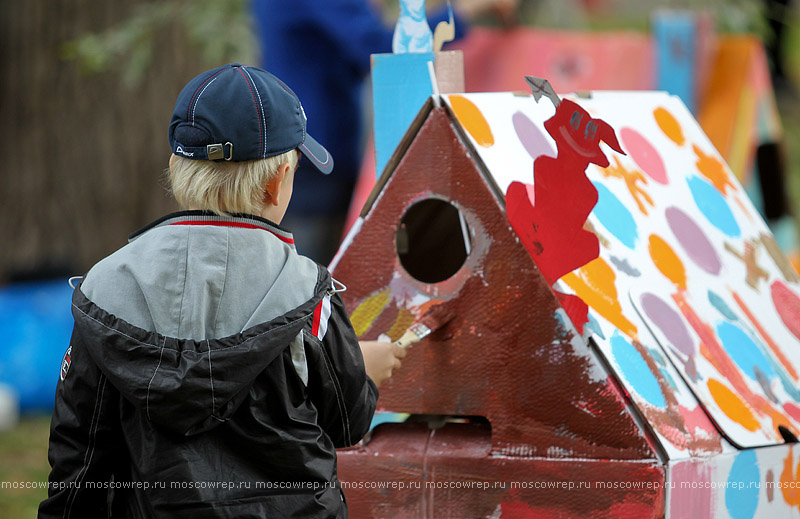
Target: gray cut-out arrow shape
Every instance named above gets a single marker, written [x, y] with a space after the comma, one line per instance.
[541, 87]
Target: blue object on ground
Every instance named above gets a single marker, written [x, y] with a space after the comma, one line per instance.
[387, 417]
[36, 320]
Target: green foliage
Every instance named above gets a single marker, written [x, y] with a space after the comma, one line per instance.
[221, 30]
[729, 15]
[744, 16]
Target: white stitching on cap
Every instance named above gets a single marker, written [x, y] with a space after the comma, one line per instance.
[197, 99]
[299, 104]
[261, 106]
[305, 119]
[327, 155]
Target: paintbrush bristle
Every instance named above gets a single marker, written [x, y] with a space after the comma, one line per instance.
[437, 316]
[433, 319]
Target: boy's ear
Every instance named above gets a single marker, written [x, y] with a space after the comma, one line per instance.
[274, 187]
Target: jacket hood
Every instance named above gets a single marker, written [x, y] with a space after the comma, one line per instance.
[226, 319]
[183, 385]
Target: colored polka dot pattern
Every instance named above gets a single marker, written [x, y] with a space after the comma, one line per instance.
[615, 216]
[636, 370]
[733, 406]
[787, 304]
[667, 261]
[644, 154]
[531, 137]
[472, 120]
[669, 208]
[693, 241]
[713, 206]
[669, 125]
[744, 486]
[669, 321]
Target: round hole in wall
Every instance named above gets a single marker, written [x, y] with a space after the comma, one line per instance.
[433, 240]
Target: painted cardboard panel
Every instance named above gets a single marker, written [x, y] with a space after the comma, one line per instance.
[744, 485]
[507, 354]
[507, 132]
[731, 341]
[700, 211]
[737, 108]
[571, 60]
[676, 38]
[401, 83]
[679, 422]
[736, 105]
[408, 470]
[670, 211]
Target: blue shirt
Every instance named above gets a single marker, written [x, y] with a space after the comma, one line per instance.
[322, 49]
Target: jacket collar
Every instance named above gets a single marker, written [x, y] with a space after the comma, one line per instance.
[244, 221]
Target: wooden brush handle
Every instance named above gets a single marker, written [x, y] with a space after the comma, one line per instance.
[408, 339]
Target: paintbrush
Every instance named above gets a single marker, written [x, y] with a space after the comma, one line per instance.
[433, 319]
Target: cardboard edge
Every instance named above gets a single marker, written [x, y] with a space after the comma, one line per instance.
[397, 155]
[475, 156]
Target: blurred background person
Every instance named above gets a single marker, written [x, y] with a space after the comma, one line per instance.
[322, 50]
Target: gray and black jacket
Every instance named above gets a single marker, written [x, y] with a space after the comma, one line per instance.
[212, 371]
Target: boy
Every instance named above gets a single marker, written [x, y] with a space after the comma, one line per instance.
[212, 370]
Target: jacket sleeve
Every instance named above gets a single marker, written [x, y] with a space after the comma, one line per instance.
[339, 387]
[82, 439]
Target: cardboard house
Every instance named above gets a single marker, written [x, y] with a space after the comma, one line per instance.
[723, 78]
[672, 394]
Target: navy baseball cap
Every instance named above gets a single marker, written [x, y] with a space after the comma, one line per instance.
[237, 113]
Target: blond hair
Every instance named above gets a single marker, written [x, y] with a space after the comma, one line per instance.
[224, 187]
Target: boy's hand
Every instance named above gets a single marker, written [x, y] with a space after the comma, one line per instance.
[380, 359]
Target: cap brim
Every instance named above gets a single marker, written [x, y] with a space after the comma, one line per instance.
[317, 154]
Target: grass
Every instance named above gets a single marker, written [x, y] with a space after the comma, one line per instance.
[23, 459]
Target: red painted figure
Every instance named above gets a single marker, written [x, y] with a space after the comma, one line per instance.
[549, 217]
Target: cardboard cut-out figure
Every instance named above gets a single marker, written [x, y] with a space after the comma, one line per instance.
[445, 31]
[542, 87]
[412, 32]
[549, 217]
